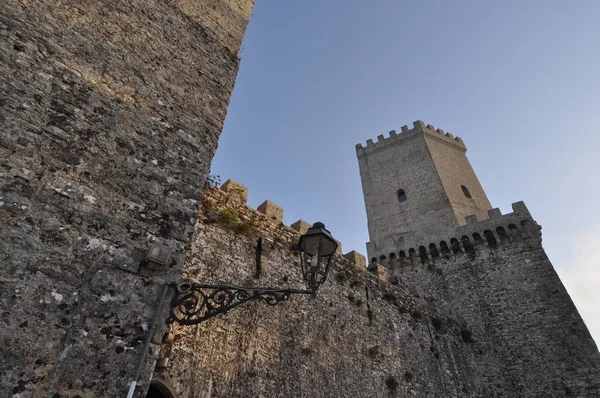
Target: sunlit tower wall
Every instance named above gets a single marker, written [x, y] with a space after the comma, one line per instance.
[416, 183]
[440, 237]
[110, 114]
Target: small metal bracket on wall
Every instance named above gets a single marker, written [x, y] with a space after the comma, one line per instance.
[197, 302]
[259, 250]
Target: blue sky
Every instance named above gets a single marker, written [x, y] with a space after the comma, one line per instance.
[519, 81]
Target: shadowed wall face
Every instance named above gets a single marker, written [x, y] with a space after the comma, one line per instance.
[461, 185]
[531, 338]
[358, 336]
[110, 115]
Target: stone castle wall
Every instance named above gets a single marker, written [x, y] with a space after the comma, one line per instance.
[267, 217]
[489, 268]
[415, 249]
[359, 336]
[110, 114]
[495, 274]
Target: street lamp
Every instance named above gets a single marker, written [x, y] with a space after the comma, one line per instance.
[317, 247]
[197, 302]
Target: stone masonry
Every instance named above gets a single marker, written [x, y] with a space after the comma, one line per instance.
[489, 269]
[430, 167]
[110, 113]
[359, 336]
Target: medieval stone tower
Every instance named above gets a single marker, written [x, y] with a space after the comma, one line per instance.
[417, 182]
[431, 225]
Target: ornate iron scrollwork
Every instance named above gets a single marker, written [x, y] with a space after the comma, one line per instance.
[197, 302]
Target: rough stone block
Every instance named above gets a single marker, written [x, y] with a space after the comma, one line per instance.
[339, 247]
[356, 258]
[271, 210]
[379, 270]
[494, 213]
[521, 209]
[237, 192]
[419, 125]
[301, 226]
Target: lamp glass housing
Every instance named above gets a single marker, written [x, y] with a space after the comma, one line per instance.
[317, 248]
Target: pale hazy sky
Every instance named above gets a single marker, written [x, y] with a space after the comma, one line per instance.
[519, 81]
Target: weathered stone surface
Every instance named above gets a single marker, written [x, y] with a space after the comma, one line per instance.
[110, 114]
[271, 210]
[429, 168]
[532, 339]
[379, 270]
[356, 258]
[359, 336]
[493, 271]
[236, 191]
[301, 226]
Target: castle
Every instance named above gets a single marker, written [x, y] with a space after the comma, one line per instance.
[432, 226]
[110, 116]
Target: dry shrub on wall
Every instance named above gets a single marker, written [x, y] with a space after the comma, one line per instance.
[229, 218]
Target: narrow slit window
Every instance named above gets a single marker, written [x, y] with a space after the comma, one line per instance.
[401, 195]
[466, 191]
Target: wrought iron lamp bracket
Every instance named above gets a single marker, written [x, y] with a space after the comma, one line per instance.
[196, 302]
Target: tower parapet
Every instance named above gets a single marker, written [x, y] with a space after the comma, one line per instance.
[407, 134]
[475, 237]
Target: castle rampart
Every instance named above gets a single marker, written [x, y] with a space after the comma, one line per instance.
[358, 336]
[268, 217]
[474, 238]
[532, 339]
[110, 114]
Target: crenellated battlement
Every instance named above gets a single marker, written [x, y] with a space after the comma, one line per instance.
[267, 219]
[419, 127]
[474, 238]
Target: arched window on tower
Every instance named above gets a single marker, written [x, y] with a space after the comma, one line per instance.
[401, 195]
[466, 191]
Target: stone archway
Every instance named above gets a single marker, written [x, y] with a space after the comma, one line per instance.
[159, 389]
